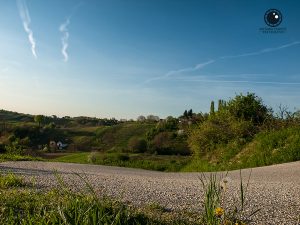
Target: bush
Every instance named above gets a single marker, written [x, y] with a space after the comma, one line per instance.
[168, 143]
[219, 129]
[92, 157]
[137, 145]
[2, 148]
[162, 143]
[14, 148]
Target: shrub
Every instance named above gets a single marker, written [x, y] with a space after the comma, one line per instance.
[219, 129]
[162, 143]
[2, 148]
[92, 157]
[137, 145]
[14, 148]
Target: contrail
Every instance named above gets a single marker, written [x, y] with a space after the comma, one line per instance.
[188, 69]
[263, 51]
[239, 81]
[201, 65]
[63, 28]
[65, 38]
[25, 17]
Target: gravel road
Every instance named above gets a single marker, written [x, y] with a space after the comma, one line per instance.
[273, 189]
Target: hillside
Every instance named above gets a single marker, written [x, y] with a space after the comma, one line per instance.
[241, 132]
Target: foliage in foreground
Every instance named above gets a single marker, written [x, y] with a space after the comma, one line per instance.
[16, 157]
[216, 211]
[62, 206]
[11, 180]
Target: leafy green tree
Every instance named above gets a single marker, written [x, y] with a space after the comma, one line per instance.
[39, 119]
[249, 107]
[141, 118]
[170, 124]
[152, 118]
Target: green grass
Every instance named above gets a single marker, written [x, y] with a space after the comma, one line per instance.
[266, 148]
[199, 165]
[63, 206]
[269, 148]
[81, 157]
[12, 157]
[11, 180]
[144, 161]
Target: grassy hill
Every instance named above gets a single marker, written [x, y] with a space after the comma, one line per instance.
[15, 116]
[242, 132]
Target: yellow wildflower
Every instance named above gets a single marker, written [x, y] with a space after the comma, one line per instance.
[219, 211]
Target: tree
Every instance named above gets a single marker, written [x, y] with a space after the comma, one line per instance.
[185, 114]
[297, 114]
[221, 104]
[39, 119]
[212, 107]
[152, 118]
[248, 107]
[141, 118]
[190, 113]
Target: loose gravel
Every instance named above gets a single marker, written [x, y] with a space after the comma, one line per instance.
[273, 189]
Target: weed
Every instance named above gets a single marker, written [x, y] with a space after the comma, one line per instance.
[215, 210]
[11, 180]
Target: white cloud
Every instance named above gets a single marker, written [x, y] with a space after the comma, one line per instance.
[25, 17]
[63, 28]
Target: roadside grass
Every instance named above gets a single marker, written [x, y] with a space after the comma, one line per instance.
[143, 161]
[15, 157]
[79, 157]
[63, 206]
[21, 204]
[11, 180]
[274, 147]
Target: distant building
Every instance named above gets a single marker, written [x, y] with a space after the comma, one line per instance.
[61, 145]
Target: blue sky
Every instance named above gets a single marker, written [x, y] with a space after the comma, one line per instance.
[116, 58]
